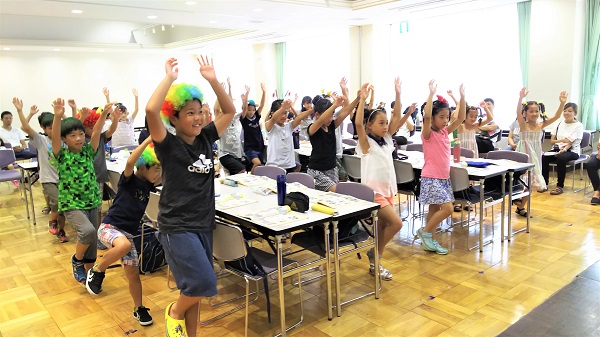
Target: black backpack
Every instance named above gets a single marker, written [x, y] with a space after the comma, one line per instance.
[152, 255]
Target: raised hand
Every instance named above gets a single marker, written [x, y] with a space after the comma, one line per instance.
[59, 107]
[563, 97]
[339, 100]
[72, 103]
[171, 69]
[461, 90]
[412, 108]
[432, 87]
[206, 68]
[344, 83]
[364, 91]
[450, 93]
[397, 84]
[105, 91]
[263, 87]
[108, 108]
[85, 112]
[115, 115]
[247, 89]
[33, 110]
[523, 93]
[483, 105]
[17, 103]
[286, 104]
[135, 92]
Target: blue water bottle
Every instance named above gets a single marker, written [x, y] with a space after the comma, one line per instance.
[281, 189]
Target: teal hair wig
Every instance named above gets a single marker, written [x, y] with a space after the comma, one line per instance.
[69, 125]
[176, 98]
[148, 157]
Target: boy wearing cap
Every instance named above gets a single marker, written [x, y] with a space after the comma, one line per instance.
[254, 144]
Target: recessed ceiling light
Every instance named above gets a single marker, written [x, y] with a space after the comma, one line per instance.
[56, 49]
[6, 48]
[190, 3]
[77, 11]
[151, 16]
[212, 21]
[257, 10]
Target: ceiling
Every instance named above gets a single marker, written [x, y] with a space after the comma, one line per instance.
[187, 25]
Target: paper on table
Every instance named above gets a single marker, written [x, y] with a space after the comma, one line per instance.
[232, 200]
[275, 215]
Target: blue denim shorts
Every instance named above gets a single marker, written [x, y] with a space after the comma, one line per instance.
[251, 154]
[189, 256]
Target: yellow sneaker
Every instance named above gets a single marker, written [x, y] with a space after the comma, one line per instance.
[174, 327]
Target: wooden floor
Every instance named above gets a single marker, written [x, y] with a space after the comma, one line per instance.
[465, 293]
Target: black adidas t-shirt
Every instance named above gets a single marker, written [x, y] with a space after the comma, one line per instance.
[187, 200]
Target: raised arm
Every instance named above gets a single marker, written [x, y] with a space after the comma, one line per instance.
[97, 131]
[228, 109]
[451, 94]
[229, 88]
[114, 118]
[562, 99]
[359, 122]
[73, 106]
[462, 111]
[325, 116]
[245, 101]
[346, 110]
[24, 122]
[301, 116]
[426, 127]
[134, 156]
[489, 116]
[32, 111]
[344, 86]
[137, 105]
[395, 120]
[522, 94]
[372, 99]
[156, 127]
[263, 99]
[285, 105]
[106, 93]
[58, 106]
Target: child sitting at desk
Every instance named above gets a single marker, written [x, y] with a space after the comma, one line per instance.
[122, 222]
[280, 151]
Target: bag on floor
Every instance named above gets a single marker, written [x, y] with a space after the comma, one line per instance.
[152, 255]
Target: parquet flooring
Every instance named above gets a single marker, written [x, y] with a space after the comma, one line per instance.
[465, 293]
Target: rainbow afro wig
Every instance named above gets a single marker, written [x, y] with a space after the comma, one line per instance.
[176, 98]
[148, 157]
[91, 120]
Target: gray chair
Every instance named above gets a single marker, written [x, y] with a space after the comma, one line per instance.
[349, 141]
[405, 175]
[414, 147]
[130, 148]
[229, 245]
[269, 171]
[302, 178]
[467, 153]
[585, 144]
[352, 165]
[7, 157]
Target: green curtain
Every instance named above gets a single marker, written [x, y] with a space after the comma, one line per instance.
[591, 67]
[280, 51]
[524, 11]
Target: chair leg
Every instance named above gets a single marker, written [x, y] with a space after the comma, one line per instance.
[247, 296]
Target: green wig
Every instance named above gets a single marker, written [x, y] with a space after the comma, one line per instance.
[148, 157]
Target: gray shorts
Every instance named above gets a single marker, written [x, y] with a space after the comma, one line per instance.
[343, 175]
[50, 191]
[324, 180]
[189, 256]
[85, 223]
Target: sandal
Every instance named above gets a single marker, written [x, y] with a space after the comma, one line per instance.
[521, 211]
[595, 201]
[46, 210]
[383, 273]
[457, 208]
[557, 191]
[468, 208]
[518, 203]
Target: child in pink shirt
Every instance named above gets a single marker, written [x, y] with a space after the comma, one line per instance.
[436, 189]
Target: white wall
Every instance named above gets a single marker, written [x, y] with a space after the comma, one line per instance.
[556, 54]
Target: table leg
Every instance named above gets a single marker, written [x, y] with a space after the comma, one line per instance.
[328, 272]
[529, 203]
[22, 187]
[502, 209]
[481, 205]
[376, 254]
[510, 193]
[280, 282]
[31, 196]
[336, 263]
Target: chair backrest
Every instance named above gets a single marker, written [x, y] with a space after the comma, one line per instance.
[349, 141]
[352, 165]
[228, 243]
[302, 178]
[404, 172]
[467, 153]
[459, 177]
[350, 128]
[414, 147]
[152, 207]
[269, 171]
[585, 140]
[32, 148]
[356, 190]
[7, 157]
[510, 155]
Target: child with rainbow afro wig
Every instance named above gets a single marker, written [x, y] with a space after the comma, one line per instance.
[187, 200]
[121, 224]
